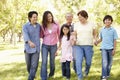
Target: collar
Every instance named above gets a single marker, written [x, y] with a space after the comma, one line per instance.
[31, 24]
[108, 28]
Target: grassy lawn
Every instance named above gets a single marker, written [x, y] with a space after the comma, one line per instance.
[17, 70]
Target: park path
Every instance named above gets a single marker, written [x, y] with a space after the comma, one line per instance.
[10, 56]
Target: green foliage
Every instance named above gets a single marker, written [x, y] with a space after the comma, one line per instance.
[97, 9]
[13, 13]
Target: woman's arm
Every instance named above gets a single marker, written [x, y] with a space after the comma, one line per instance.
[94, 36]
[73, 38]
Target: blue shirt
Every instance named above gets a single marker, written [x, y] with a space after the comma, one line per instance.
[108, 35]
[33, 34]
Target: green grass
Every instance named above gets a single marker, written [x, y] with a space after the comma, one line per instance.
[7, 45]
[17, 71]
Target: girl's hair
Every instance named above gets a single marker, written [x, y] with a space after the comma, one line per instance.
[107, 17]
[83, 13]
[30, 14]
[45, 19]
[61, 31]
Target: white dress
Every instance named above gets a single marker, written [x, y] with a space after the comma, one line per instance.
[66, 50]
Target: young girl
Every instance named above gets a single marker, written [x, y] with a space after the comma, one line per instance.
[66, 46]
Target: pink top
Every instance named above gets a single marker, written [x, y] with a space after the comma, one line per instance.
[51, 37]
[66, 50]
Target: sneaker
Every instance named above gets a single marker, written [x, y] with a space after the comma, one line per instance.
[104, 79]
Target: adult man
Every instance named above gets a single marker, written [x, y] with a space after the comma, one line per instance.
[31, 34]
[69, 19]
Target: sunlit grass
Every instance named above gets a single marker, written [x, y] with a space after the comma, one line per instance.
[7, 45]
[17, 70]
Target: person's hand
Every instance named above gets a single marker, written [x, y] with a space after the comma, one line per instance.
[113, 52]
[74, 33]
[95, 43]
[56, 53]
[73, 42]
[58, 49]
[32, 45]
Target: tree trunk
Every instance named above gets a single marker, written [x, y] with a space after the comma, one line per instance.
[11, 38]
[3, 38]
[19, 36]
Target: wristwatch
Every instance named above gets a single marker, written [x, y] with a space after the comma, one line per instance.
[26, 42]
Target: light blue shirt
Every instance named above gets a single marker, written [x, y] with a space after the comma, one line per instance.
[108, 35]
[33, 34]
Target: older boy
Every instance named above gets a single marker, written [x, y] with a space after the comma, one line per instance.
[108, 38]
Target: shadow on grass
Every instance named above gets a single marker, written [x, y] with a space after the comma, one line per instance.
[13, 71]
[17, 71]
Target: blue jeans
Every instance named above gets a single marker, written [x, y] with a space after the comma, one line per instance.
[83, 52]
[66, 69]
[45, 49]
[74, 58]
[32, 60]
[107, 59]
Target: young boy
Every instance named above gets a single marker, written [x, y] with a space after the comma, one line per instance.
[108, 36]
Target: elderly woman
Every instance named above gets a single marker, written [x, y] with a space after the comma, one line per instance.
[86, 34]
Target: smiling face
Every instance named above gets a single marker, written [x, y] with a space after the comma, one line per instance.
[82, 19]
[49, 18]
[34, 18]
[69, 18]
[107, 22]
[65, 30]
[83, 16]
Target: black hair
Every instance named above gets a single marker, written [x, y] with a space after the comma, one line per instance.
[45, 19]
[61, 31]
[30, 14]
[107, 17]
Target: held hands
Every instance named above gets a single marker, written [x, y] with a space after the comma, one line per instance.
[73, 42]
[74, 33]
[73, 38]
[95, 43]
[59, 48]
[32, 45]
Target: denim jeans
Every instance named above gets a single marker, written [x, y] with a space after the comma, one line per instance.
[83, 52]
[45, 49]
[32, 60]
[74, 58]
[106, 62]
[66, 69]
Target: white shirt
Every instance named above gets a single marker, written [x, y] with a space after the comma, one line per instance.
[84, 33]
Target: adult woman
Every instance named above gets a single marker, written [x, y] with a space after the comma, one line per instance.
[84, 46]
[50, 34]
